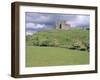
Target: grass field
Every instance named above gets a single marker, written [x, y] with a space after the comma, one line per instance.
[54, 56]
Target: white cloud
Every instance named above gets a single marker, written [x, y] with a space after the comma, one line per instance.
[32, 28]
[30, 25]
[40, 25]
[35, 26]
[79, 21]
[82, 19]
[29, 33]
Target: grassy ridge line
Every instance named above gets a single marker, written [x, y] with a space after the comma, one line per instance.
[64, 35]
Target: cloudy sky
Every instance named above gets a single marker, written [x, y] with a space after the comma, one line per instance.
[39, 21]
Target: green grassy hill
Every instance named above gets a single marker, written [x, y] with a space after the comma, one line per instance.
[55, 48]
[73, 39]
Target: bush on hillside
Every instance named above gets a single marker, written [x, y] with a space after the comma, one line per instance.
[76, 44]
[44, 42]
[35, 41]
[56, 43]
[86, 44]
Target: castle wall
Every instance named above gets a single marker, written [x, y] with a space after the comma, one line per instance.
[62, 25]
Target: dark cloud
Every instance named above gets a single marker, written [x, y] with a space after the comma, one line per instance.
[35, 21]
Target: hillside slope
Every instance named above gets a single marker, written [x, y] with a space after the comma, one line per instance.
[73, 39]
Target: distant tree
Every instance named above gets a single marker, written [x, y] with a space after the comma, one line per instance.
[28, 37]
[35, 41]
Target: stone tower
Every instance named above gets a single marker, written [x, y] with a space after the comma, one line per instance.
[62, 24]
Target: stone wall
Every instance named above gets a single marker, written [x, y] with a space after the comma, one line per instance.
[62, 24]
